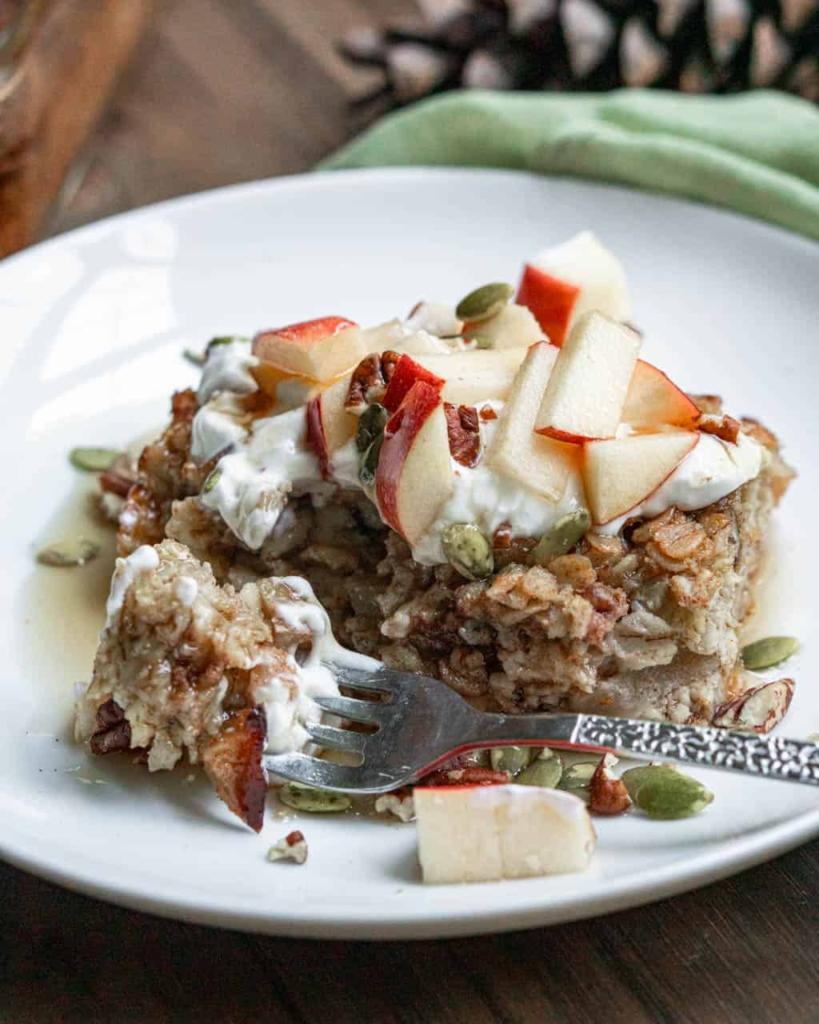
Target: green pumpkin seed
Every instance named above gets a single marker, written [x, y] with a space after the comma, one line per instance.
[578, 775]
[468, 550]
[192, 356]
[315, 801]
[212, 480]
[93, 460]
[562, 537]
[769, 652]
[509, 759]
[225, 339]
[664, 793]
[66, 554]
[370, 425]
[544, 772]
[484, 302]
[369, 462]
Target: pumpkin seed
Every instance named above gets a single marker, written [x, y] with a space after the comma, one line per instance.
[484, 302]
[468, 550]
[68, 553]
[93, 460]
[561, 537]
[663, 792]
[370, 425]
[769, 652]
[225, 339]
[544, 772]
[577, 777]
[212, 480]
[192, 356]
[509, 759]
[315, 801]
[369, 462]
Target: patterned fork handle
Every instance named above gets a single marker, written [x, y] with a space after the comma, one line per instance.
[774, 757]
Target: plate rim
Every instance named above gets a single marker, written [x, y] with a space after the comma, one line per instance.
[628, 891]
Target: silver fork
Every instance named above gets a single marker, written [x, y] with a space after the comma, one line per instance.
[422, 723]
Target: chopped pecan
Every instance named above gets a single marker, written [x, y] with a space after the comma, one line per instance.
[114, 483]
[464, 433]
[726, 428]
[370, 379]
[607, 794]
[233, 761]
[465, 777]
[113, 731]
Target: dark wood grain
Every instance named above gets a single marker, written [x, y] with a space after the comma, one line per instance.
[238, 89]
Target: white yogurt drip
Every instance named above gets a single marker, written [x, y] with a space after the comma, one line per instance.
[712, 470]
[216, 427]
[228, 368]
[288, 714]
[144, 559]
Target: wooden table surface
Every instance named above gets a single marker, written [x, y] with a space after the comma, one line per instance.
[229, 90]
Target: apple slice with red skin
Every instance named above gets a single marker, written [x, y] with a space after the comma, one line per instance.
[539, 463]
[329, 424]
[587, 390]
[551, 300]
[407, 372]
[414, 474]
[653, 400]
[320, 349]
[622, 473]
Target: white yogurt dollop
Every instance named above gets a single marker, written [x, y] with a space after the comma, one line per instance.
[228, 368]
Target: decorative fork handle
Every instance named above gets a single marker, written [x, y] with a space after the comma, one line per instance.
[773, 757]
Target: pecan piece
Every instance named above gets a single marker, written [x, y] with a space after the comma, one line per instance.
[758, 709]
[464, 433]
[726, 428]
[607, 794]
[370, 379]
[113, 730]
[233, 762]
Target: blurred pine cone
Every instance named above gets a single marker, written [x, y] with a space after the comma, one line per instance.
[717, 46]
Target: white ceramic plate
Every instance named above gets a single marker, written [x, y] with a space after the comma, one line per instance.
[93, 325]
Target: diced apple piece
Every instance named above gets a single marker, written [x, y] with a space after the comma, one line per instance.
[587, 390]
[550, 300]
[407, 372]
[382, 336]
[485, 833]
[513, 327]
[540, 463]
[565, 281]
[321, 349]
[622, 473]
[329, 424]
[414, 475]
[477, 376]
[653, 399]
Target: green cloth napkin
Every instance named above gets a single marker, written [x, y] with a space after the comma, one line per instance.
[757, 152]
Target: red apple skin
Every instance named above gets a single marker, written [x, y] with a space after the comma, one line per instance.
[565, 436]
[549, 299]
[305, 332]
[685, 413]
[421, 400]
[316, 439]
[406, 373]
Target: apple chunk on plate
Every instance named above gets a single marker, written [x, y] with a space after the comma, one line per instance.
[653, 399]
[621, 473]
[414, 474]
[587, 390]
[485, 833]
[512, 327]
[540, 463]
[329, 424]
[563, 282]
[321, 349]
[476, 376]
